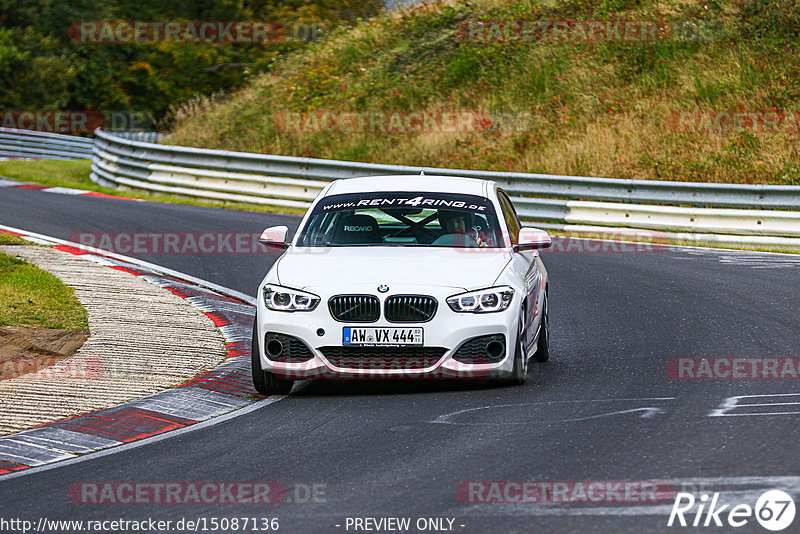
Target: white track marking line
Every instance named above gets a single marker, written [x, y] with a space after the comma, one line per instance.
[445, 419]
[64, 191]
[732, 403]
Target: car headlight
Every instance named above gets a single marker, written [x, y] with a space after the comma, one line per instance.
[493, 299]
[289, 300]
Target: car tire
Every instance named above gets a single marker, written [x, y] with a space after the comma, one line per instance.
[542, 353]
[264, 382]
[520, 372]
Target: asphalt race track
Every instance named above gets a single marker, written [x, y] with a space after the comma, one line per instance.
[603, 409]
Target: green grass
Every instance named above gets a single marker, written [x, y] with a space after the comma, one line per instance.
[10, 239]
[601, 109]
[52, 173]
[30, 296]
[75, 174]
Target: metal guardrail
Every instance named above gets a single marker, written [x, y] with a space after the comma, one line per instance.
[194, 172]
[43, 145]
[146, 137]
[698, 208]
[521, 184]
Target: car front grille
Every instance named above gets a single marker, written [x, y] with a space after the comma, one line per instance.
[355, 308]
[383, 357]
[474, 350]
[294, 350]
[409, 308]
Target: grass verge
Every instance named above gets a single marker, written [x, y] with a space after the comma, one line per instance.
[10, 239]
[645, 109]
[30, 296]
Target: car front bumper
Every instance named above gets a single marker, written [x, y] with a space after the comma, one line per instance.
[447, 331]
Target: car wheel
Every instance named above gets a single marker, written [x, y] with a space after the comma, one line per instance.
[266, 383]
[520, 372]
[542, 353]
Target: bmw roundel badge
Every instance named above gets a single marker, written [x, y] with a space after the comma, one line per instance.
[383, 288]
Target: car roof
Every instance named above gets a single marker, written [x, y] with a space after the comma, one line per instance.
[412, 182]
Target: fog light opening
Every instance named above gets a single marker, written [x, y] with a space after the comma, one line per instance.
[494, 350]
[274, 348]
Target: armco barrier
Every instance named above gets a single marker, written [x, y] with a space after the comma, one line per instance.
[755, 214]
[520, 184]
[43, 145]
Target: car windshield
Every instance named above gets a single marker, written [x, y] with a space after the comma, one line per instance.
[402, 219]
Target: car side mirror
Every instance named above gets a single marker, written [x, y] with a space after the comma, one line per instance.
[531, 239]
[274, 237]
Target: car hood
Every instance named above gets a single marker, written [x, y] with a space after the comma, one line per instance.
[305, 268]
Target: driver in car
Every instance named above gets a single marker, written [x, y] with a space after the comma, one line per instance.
[454, 222]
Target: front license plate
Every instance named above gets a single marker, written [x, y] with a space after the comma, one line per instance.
[381, 336]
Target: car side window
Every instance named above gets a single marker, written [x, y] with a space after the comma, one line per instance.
[510, 215]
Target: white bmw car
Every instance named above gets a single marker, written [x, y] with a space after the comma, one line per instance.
[403, 277]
